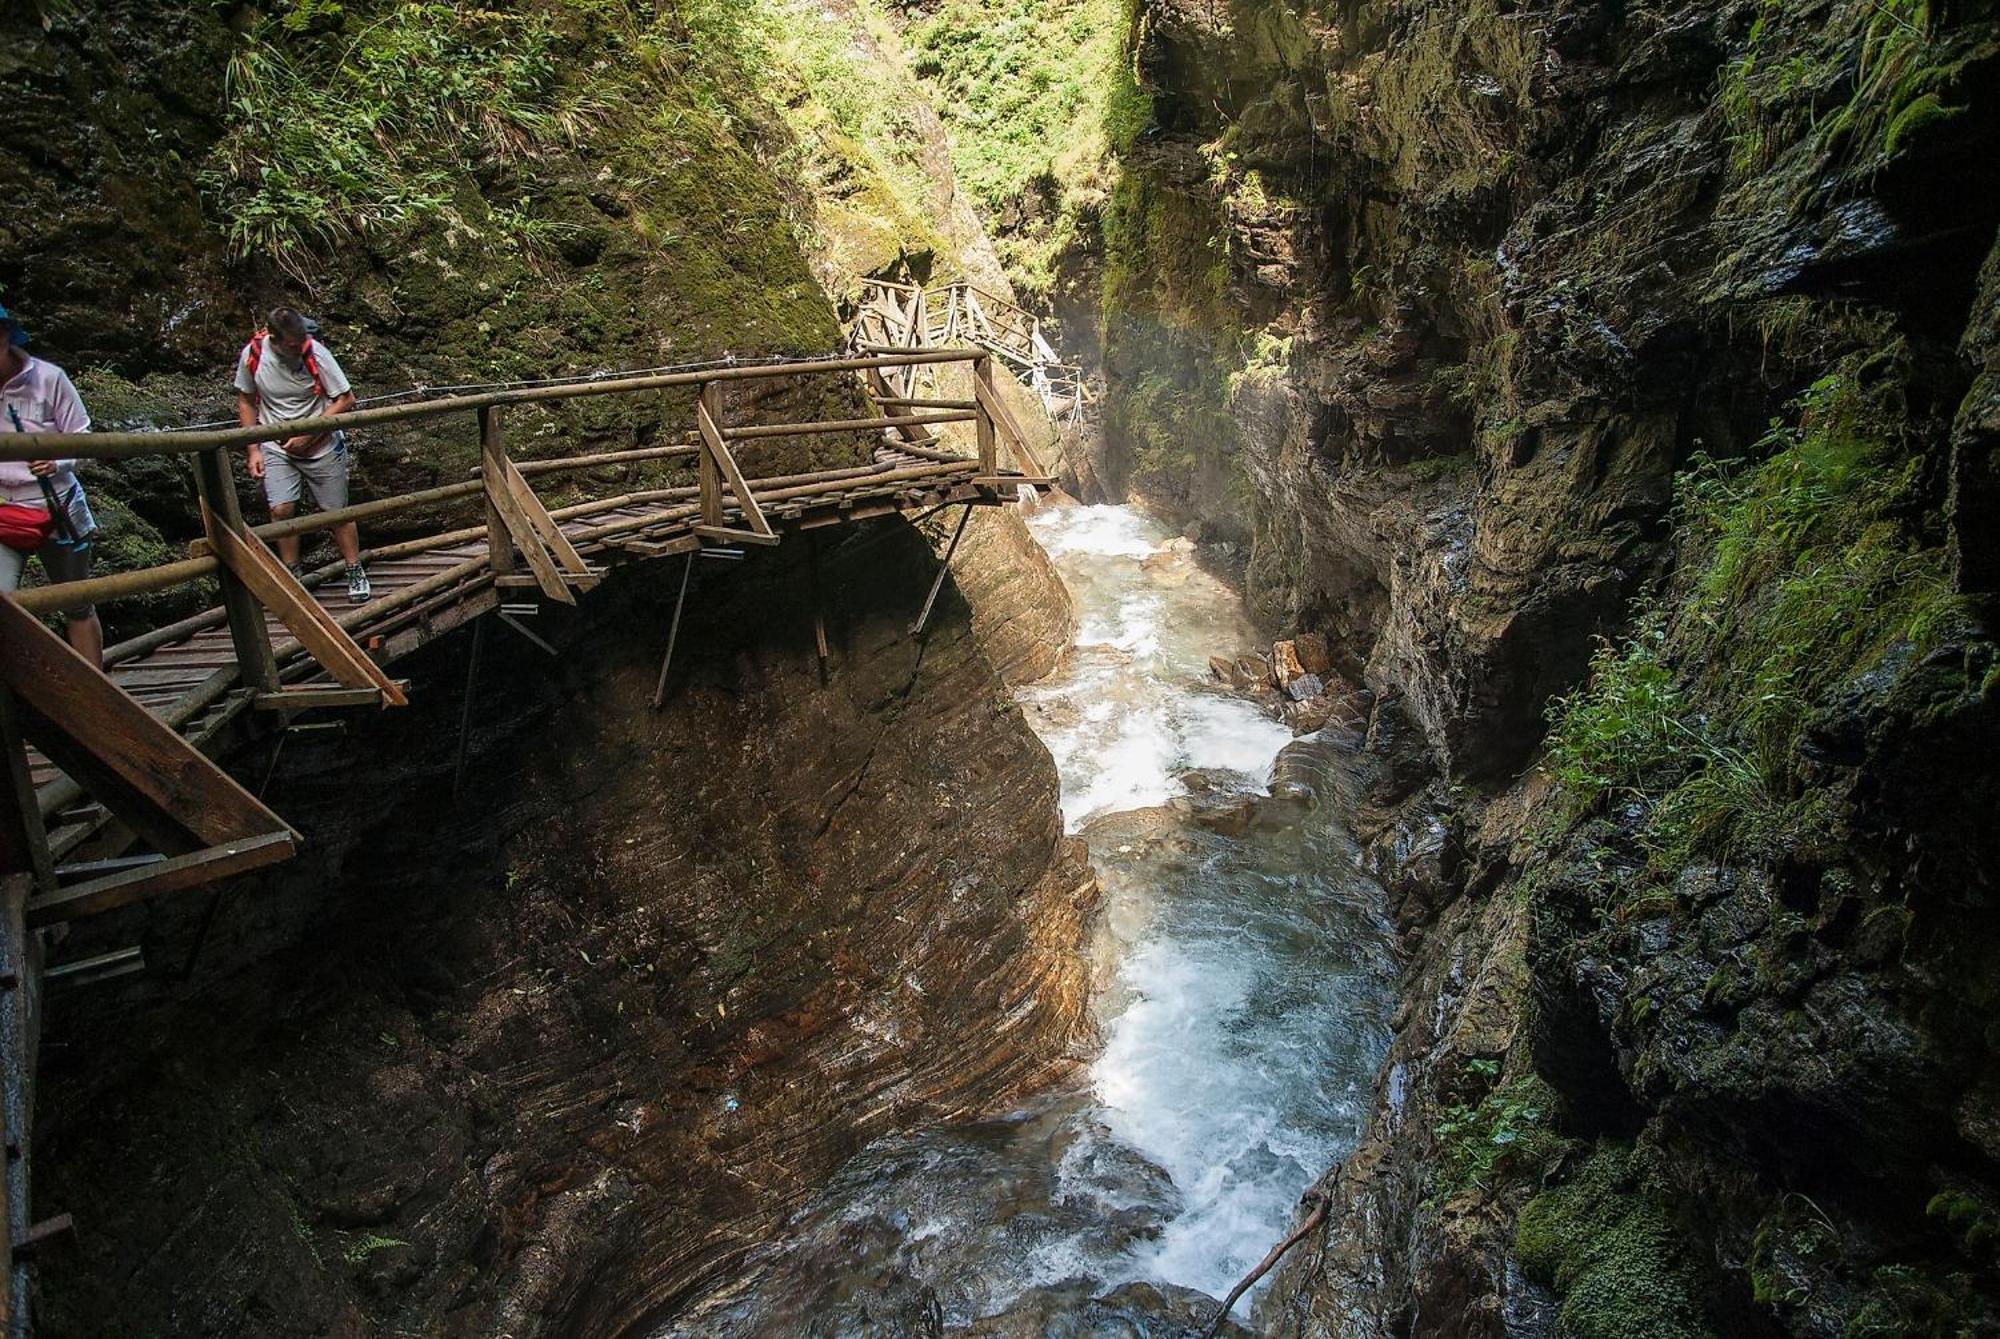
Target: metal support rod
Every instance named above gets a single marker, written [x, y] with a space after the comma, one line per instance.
[465, 711]
[818, 607]
[673, 635]
[522, 628]
[944, 570]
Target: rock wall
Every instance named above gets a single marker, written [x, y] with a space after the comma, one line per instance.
[1493, 329]
[541, 1060]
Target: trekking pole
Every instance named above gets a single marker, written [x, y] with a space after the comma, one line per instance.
[58, 511]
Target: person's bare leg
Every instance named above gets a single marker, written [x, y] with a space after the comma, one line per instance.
[288, 545]
[347, 538]
[86, 634]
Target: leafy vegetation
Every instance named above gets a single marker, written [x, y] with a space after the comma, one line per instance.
[1802, 573]
[1038, 97]
[1856, 89]
[1505, 1134]
[364, 127]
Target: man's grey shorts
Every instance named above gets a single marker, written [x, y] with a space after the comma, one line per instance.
[324, 476]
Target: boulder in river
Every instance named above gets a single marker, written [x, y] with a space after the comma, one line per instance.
[1301, 656]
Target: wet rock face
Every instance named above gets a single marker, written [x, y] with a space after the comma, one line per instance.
[539, 1061]
[1488, 276]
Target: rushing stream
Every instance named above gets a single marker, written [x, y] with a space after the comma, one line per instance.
[1243, 988]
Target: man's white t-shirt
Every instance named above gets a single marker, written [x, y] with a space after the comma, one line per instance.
[285, 393]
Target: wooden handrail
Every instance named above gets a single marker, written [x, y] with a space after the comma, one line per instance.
[126, 445]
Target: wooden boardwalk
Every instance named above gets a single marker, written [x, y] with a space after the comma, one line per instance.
[422, 592]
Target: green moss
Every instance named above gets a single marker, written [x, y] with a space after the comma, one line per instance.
[1604, 1243]
[1976, 1226]
[1925, 110]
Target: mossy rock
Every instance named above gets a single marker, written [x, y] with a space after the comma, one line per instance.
[1606, 1245]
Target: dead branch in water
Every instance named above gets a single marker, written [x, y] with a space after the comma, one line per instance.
[1305, 1229]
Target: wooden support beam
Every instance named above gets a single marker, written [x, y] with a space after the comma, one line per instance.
[514, 519]
[127, 758]
[99, 966]
[998, 410]
[167, 876]
[259, 570]
[982, 385]
[216, 485]
[708, 418]
[492, 455]
[44, 1234]
[18, 1028]
[305, 699]
[579, 572]
[24, 837]
[723, 534]
[718, 449]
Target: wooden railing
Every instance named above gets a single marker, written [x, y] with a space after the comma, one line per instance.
[253, 580]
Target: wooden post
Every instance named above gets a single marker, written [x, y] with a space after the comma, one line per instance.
[989, 456]
[711, 468]
[492, 450]
[24, 841]
[247, 632]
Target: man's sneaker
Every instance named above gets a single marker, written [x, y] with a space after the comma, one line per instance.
[358, 589]
[298, 572]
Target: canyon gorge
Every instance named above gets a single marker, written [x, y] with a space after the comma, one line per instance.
[1483, 766]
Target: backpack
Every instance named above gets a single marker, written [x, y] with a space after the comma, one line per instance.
[253, 354]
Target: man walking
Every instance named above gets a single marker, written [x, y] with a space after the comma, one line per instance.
[284, 375]
[42, 508]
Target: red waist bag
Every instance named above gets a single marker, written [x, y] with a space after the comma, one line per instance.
[25, 529]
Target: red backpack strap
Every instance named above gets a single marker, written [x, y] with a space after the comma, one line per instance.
[253, 354]
[312, 367]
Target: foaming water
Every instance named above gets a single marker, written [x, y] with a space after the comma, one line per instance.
[1245, 980]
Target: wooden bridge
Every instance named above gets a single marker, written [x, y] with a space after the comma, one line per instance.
[894, 317]
[109, 792]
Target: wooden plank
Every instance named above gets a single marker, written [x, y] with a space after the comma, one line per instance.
[323, 639]
[168, 876]
[126, 757]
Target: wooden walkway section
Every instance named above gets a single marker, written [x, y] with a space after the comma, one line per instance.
[893, 317]
[109, 788]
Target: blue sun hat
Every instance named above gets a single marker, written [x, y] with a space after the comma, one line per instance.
[18, 336]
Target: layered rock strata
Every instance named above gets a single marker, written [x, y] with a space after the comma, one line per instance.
[544, 1059]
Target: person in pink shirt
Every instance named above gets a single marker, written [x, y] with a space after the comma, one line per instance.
[36, 396]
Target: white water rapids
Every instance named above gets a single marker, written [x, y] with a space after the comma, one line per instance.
[1244, 982]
